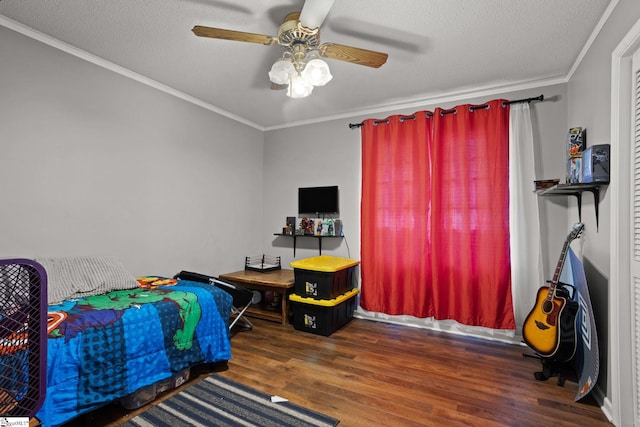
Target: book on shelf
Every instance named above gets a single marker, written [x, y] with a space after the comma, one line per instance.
[545, 184]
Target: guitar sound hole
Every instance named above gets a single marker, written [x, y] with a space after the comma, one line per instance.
[547, 307]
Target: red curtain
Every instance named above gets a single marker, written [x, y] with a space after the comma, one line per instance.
[435, 216]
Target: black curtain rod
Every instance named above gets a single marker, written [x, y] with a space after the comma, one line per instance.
[473, 107]
[537, 98]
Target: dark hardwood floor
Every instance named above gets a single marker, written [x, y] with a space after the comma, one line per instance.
[371, 373]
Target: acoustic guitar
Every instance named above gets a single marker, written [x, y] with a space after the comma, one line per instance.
[550, 327]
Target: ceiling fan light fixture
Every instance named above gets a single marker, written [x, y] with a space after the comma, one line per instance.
[299, 87]
[281, 71]
[300, 69]
[317, 72]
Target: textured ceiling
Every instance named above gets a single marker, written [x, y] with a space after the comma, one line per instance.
[436, 48]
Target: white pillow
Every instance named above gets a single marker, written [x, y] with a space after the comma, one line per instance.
[76, 277]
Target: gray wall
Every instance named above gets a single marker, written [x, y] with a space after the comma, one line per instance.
[329, 154]
[590, 106]
[94, 163]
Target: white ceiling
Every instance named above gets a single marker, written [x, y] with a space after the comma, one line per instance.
[436, 48]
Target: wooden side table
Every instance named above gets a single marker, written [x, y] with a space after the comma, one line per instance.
[277, 281]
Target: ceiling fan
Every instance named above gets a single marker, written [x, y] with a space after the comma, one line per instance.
[301, 68]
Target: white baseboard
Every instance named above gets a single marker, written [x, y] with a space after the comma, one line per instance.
[604, 402]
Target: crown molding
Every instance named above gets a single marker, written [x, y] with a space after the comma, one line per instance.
[482, 91]
[603, 20]
[101, 62]
[421, 102]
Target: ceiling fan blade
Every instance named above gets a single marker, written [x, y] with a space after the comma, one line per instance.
[356, 55]
[314, 12]
[219, 33]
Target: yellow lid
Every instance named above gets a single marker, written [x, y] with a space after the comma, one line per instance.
[326, 263]
[324, 302]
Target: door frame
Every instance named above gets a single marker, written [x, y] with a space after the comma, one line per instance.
[620, 402]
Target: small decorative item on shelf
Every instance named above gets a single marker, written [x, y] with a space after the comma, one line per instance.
[330, 230]
[262, 263]
[576, 143]
[288, 230]
[337, 227]
[544, 184]
[291, 225]
[574, 170]
[595, 163]
[307, 225]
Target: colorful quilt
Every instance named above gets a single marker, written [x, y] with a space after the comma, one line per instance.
[104, 347]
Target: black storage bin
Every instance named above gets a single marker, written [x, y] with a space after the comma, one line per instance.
[323, 317]
[323, 277]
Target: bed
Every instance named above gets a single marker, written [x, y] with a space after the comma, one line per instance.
[111, 334]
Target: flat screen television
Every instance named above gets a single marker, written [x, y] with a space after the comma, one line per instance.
[318, 200]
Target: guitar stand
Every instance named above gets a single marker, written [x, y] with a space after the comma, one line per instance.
[550, 368]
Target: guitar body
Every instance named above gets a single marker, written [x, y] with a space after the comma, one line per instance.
[551, 333]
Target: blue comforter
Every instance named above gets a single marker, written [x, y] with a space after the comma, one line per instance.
[104, 347]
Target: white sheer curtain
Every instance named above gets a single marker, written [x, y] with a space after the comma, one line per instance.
[526, 251]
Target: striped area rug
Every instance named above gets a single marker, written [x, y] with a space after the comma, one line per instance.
[218, 401]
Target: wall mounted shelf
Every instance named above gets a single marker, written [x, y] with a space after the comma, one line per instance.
[296, 236]
[576, 190]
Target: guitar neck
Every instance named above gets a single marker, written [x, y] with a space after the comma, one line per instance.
[556, 274]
